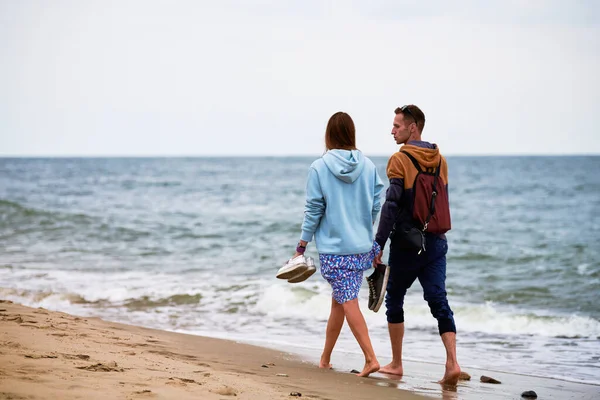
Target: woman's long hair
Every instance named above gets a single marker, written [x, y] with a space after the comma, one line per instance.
[340, 132]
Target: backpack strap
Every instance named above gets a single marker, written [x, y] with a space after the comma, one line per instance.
[414, 160]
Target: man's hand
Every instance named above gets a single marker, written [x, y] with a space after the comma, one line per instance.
[377, 259]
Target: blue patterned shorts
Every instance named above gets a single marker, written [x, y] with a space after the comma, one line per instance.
[345, 273]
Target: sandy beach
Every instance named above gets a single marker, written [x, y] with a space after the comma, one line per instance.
[53, 355]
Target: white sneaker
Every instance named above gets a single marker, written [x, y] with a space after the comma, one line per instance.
[292, 268]
[302, 276]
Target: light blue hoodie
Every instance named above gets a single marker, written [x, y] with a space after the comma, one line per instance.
[342, 202]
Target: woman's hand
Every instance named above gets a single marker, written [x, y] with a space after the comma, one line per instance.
[303, 244]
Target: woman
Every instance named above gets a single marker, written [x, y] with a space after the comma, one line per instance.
[342, 202]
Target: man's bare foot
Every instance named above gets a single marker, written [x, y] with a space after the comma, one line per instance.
[325, 364]
[369, 368]
[393, 369]
[451, 376]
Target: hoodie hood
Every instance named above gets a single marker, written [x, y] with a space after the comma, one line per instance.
[346, 165]
[427, 154]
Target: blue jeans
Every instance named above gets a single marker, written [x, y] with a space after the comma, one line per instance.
[430, 268]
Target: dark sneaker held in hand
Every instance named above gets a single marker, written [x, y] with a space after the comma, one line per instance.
[377, 284]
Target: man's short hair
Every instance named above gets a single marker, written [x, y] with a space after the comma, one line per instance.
[414, 113]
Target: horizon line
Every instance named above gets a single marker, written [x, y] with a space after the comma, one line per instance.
[7, 156]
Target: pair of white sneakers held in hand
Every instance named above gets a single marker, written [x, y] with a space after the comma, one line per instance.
[297, 269]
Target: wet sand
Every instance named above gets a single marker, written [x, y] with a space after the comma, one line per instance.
[422, 377]
[53, 355]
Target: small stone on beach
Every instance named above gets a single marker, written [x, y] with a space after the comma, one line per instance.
[487, 379]
[529, 394]
[296, 394]
[464, 376]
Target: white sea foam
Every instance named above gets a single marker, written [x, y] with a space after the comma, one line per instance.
[283, 301]
[586, 269]
[274, 300]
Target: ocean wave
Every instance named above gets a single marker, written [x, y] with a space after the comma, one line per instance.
[279, 301]
[134, 184]
[18, 218]
[190, 235]
[491, 319]
[470, 257]
[589, 270]
[33, 297]
[146, 302]
[45, 297]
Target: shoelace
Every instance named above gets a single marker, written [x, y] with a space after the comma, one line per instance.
[371, 288]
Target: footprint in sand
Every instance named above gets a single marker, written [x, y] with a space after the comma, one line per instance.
[182, 381]
[11, 345]
[226, 391]
[38, 356]
[173, 382]
[14, 318]
[76, 356]
[110, 367]
[188, 380]
[145, 392]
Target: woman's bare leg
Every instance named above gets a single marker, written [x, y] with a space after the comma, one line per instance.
[334, 326]
[357, 324]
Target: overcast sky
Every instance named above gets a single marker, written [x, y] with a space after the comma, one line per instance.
[262, 77]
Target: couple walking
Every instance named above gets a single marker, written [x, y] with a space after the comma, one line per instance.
[342, 204]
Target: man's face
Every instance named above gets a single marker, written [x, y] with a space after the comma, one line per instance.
[400, 129]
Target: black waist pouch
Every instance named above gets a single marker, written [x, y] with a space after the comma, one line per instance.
[408, 237]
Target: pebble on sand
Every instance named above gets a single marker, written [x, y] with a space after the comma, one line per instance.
[529, 394]
[487, 379]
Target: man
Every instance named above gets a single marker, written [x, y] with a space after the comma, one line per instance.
[427, 264]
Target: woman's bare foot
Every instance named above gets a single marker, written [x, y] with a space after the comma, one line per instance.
[325, 364]
[369, 368]
[451, 375]
[393, 369]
